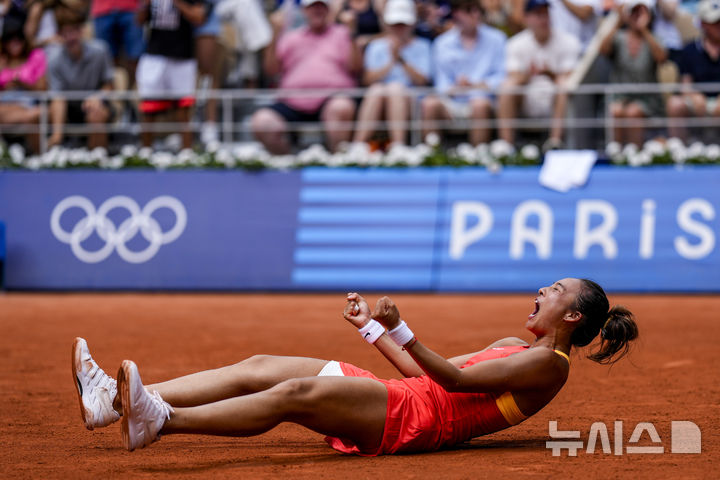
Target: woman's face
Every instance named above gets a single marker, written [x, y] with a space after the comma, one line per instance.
[552, 305]
[14, 47]
[400, 30]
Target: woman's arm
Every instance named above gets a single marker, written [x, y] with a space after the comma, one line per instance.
[532, 369]
[390, 350]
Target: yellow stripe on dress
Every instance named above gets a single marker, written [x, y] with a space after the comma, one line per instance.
[562, 354]
[509, 409]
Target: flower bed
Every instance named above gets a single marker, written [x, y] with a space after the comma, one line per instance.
[252, 156]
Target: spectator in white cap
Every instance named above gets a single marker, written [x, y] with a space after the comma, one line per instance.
[698, 63]
[393, 63]
[540, 59]
[319, 55]
[634, 55]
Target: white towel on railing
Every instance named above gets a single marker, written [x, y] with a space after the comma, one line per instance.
[566, 169]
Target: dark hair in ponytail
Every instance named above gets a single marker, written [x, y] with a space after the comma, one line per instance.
[616, 326]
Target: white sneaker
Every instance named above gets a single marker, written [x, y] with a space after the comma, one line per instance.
[96, 389]
[144, 414]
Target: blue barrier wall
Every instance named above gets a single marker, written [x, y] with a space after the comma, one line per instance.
[441, 229]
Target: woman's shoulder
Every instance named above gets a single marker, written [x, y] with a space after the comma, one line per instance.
[509, 342]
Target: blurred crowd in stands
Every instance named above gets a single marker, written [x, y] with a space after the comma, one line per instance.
[482, 65]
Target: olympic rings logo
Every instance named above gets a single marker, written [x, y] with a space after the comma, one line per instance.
[115, 237]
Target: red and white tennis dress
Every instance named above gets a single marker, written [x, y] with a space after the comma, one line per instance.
[422, 416]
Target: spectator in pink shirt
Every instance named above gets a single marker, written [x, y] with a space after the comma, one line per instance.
[319, 55]
[21, 70]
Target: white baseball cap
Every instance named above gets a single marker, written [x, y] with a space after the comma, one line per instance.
[307, 3]
[709, 11]
[400, 11]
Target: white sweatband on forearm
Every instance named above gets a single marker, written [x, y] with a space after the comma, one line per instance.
[401, 334]
[371, 331]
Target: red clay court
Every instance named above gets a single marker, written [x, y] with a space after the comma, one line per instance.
[672, 374]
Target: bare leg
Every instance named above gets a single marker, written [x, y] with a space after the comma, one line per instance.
[147, 135]
[255, 374]
[617, 111]
[480, 109]
[14, 113]
[270, 128]
[371, 110]
[635, 134]
[182, 115]
[432, 111]
[507, 111]
[337, 112]
[206, 51]
[346, 407]
[97, 118]
[558, 120]
[397, 111]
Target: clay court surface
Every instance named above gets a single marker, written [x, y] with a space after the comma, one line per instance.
[671, 375]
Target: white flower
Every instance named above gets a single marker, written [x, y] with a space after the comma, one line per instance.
[79, 156]
[679, 156]
[696, 150]
[161, 160]
[116, 162]
[63, 155]
[187, 156]
[654, 148]
[212, 146]
[674, 143]
[314, 153]
[629, 149]
[17, 153]
[500, 148]
[432, 139]
[634, 159]
[145, 153]
[35, 162]
[466, 152]
[613, 149]
[128, 150]
[224, 157]
[98, 154]
[712, 152]
[530, 152]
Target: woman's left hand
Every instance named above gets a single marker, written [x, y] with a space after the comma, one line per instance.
[386, 313]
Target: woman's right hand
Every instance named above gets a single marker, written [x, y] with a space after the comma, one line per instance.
[357, 311]
[386, 313]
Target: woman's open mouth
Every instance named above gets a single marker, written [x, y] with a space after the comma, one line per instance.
[537, 309]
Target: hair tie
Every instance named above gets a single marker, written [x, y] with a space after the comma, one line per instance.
[603, 331]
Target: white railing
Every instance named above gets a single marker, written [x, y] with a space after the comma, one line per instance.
[230, 126]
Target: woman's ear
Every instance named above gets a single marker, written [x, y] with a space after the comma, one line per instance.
[573, 316]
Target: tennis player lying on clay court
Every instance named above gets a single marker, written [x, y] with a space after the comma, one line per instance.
[440, 402]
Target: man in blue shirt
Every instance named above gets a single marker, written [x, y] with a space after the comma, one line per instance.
[698, 62]
[469, 65]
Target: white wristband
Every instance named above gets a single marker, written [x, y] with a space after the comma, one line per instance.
[401, 334]
[371, 331]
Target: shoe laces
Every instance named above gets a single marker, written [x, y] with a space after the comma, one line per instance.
[164, 407]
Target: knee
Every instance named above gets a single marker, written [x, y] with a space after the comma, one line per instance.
[256, 361]
[676, 107]
[430, 107]
[617, 110]
[634, 111]
[375, 90]
[97, 115]
[396, 90]
[295, 395]
[480, 108]
[266, 120]
[339, 109]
